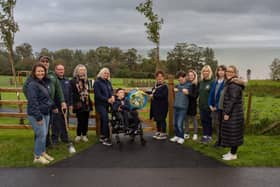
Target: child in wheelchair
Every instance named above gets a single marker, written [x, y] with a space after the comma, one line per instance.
[126, 119]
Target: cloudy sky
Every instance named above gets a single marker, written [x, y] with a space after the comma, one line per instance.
[87, 24]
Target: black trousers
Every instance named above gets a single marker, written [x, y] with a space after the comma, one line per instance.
[58, 128]
[82, 117]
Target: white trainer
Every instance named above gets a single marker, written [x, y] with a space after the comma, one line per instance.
[156, 135]
[195, 137]
[84, 138]
[78, 138]
[181, 141]
[186, 136]
[225, 155]
[48, 157]
[230, 157]
[40, 160]
[174, 139]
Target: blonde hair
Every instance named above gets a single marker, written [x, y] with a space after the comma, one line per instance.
[234, 69]
[210, 73]
[195, 76]
[103, 70]
[76, 70]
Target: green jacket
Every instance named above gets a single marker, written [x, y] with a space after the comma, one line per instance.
[204, 92]
[55, 87]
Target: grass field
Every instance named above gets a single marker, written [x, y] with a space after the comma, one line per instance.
[16, 148]
[260, 151]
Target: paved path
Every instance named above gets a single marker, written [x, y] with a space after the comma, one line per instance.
[158, 163]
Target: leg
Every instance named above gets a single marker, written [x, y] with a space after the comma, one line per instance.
[56, 127]
[233, 150]
[180, 120]
[79, 125]
[195, 124]
[187, 127]
[206, 122]
[104, 121]
[85, 123]
[64, 134]
[48, 138]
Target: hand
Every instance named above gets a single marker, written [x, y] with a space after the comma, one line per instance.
[63, 106]
[176, 89]
[185, 91]
[40, 122]
[226, 117]
[55, 110]
[212, 108]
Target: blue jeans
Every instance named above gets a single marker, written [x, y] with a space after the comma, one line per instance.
[206, 121]
[179, 118]
[40, 134]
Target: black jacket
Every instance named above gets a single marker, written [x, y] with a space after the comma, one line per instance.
[118, 104]
[67, 92]
[159, 103]
[232, 130]
[193, 95]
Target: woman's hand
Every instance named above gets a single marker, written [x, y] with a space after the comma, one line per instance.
[226, 117]
[176, 89]
[40, 122]
[185, 91]
[213, 109]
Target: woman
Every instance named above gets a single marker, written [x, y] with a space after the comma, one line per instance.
[82, 104]
[103, 98]
[159, 106]
[192, 109]
[213, 101]
[181, 104]
[38, 109]
[205, 113]
[232, 128]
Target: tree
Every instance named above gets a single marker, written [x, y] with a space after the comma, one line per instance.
[24, 50]
[275, 69]
[153, 25]
[190, 56]
[8, 28]
[249, 74]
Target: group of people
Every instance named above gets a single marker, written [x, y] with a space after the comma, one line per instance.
[219, 102]
[52, 97]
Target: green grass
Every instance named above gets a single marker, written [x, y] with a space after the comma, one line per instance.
[16, 148]
[257, 151]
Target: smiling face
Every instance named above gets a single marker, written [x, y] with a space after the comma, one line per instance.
[230, 73]
[45, 62]
[182, 80]
[206, 73]
[160, 78]
[40, 73]
[121, 94]
[59, 71]
[191, 76]
[82, 72]
[106, 75]
[221, 73]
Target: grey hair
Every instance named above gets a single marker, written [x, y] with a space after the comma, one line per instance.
[76, 70]
[100, 73]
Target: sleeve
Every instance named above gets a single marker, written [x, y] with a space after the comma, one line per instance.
[115, 106]
[97, 92]
[33, 102]
[234, 92]
[70, 91]
[211, 95]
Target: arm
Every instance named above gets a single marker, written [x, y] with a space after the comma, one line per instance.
[234, 92]
[162, 93]
[33, 102]
[98, 93]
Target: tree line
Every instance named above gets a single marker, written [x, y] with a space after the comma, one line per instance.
[122, 63]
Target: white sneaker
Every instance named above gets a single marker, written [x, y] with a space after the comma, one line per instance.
[156, 135]
[195, 137]
[162, 136]
[78, 138]
[71, 148]
[84, 138]
[227, 154]
[48, 157]
[181, 141]
[174, 139]
[40, 160]
[186, 136]
[230, 157]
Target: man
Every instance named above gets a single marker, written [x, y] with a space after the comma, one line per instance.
[58, 124]
[54, 89]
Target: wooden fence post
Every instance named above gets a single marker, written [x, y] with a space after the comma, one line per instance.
[170, 103]
[248, 112]
[97, 121]
[0, 99]
[20, 107]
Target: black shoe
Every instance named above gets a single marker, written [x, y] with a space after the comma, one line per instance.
[217, 144]
[107, 142]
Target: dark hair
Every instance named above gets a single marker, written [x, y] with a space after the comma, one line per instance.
[159, 72]
[35, 66]
[223, 67]
[119, 89]
[181, 74]
[43, 57]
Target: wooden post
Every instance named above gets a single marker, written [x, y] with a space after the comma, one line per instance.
[20, 107]
[170, 103]
[98, 124]
[0, 99]
[248, 113]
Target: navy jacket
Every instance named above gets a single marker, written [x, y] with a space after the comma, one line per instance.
[67, 92]
[118, 104]
[159, 103]
[39, 102]
[212, 100]
[103, 90]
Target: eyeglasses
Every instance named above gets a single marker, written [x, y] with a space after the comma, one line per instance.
[230, 71]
